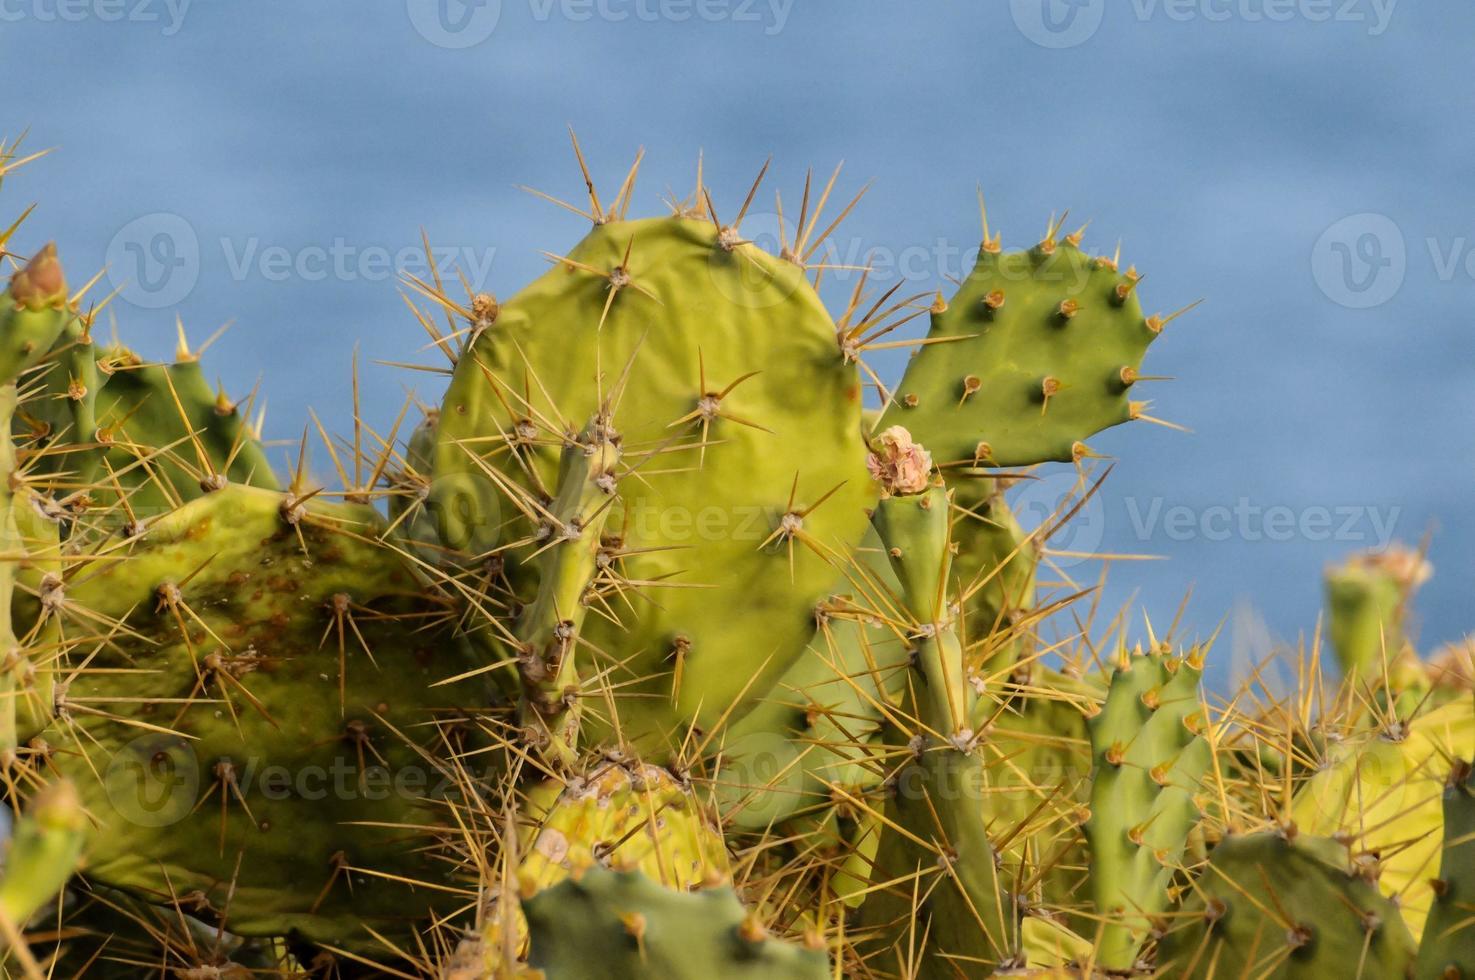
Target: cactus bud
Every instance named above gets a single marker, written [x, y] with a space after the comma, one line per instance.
[41, 284]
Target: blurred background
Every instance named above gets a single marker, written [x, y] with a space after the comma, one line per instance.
[1303, 166]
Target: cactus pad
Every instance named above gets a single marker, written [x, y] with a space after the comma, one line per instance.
[1036, 352]
[623, 926]
[742, 461]
[1285, 909]
[246, 711]
[1150, 759]
[1448, 946]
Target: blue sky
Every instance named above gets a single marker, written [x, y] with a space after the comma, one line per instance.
[1301, 165]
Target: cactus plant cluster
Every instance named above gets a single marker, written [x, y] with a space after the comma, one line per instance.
[652, 651]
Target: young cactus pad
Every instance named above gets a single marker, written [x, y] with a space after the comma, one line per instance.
[614, 814]
[41, 854]
[1036, 352]
[937, 874]
[1367, 604]
[1383, 792]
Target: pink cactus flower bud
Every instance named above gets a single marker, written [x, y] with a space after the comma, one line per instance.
[900, 464]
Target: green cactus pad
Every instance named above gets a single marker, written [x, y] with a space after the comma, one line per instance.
[623, 926]
[249, 715]
[142, 408]
[1037, 352]
[1367, 603]
[1038, 763]
[33, 314]
[42, 852]
[1279, 909]
[994, 571]
[100, 422]
[743, 464]
[1150, 760]
[1448, 946]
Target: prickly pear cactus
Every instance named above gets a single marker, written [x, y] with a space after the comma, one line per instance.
[121, 439]
[42, 852]
[617, 814]
[1367, 605]
[1036, 352]
[624, 926]
[1448, 946]
[1382, 791]
[34, 311]
[1150, 762]
[936, 874]
[250, 713]
[995, 574]
[717, 372]
[807, 747]
[1284, 906]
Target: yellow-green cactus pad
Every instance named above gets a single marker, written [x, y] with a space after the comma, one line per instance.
[743, 468]
[249, 716]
